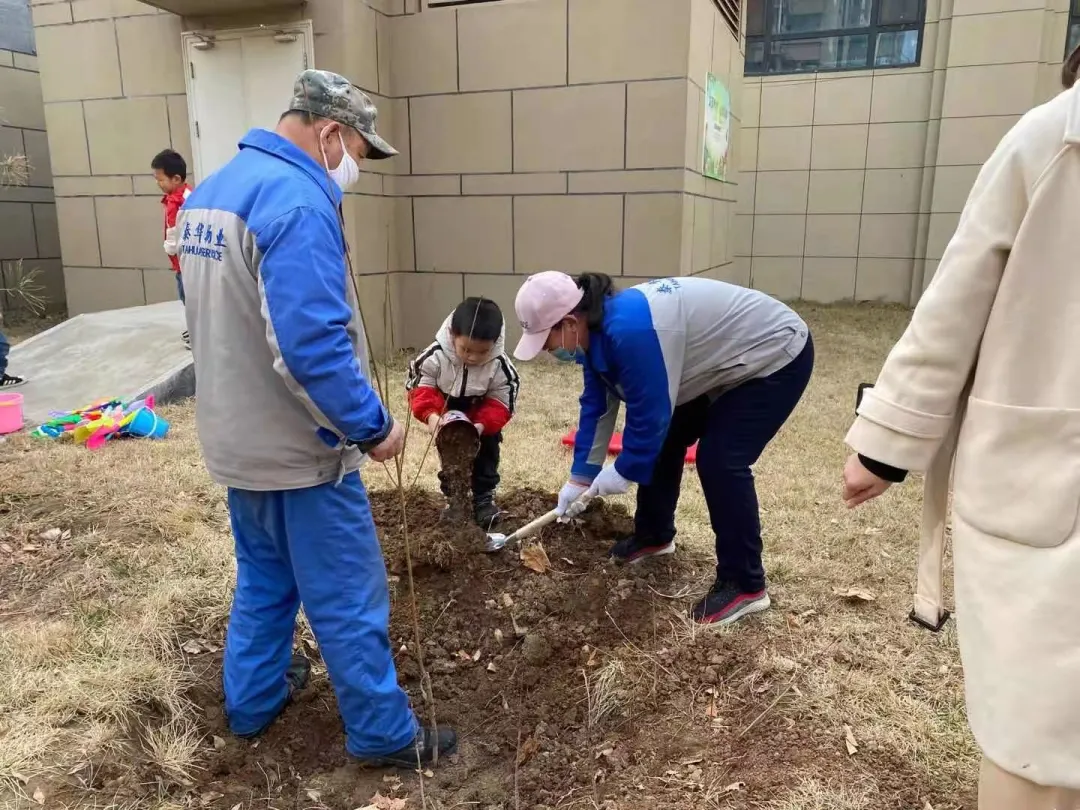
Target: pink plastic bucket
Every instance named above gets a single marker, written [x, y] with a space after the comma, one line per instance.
[11, 417]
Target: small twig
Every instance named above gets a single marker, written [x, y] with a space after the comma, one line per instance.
[517, 761]
[770, 707]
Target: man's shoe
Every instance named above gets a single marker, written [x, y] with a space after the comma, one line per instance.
[297, 676]
[421, 751]
[186, 338]
[10, 381]
[486, 513]
[726, 603]
[634, 549]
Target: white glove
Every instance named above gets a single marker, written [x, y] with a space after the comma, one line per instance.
[608, 482]
[571, 491]
[172, 244]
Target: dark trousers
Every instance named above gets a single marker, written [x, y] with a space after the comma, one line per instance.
[733, 430]
[5, 347]
[180, 288]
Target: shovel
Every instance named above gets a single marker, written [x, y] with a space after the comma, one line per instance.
[497, 541]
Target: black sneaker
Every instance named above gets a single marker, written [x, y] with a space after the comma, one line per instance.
[184, 336]
[421, 751]
[298, 675]
[726, 603]
[10, 381]
[486, 513]
[632, 549]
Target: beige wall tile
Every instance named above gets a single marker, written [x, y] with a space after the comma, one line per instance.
[129, 232]
[779, 277]
[513, 45]
[843, 101]
[836, 192]
[502, 290]
[461, 133]
[37, 152]
[723, 219]
[7, 58]
[371, 233]
[159, 286]
[423, 53]
[779, 235]
[965, 7]
[431, 297]
[701, 40]
[966, 141]
[50, 280]
[781, 148]
[91, 186]
[652, 234]
[781, 192]
[79, 61]
[355, 43]
[11, 139]
[423, 185]
[151, 61]
[77, 224]
[839, 147]
[887, 280]
[832, 235]
[393, 124]
[738, 272]
[17, 239]
[952, 185]
[703, 232]
[790, 104]
[91, 289]
[569, 128]
[107, 9]
[888, 236]
[748, 152]
[686, 240]
[48, 235]
[24, 61]
[125, 148]
[20, 99]
[896, 146]
[828, 281]
[656, 123]
[747, 193]
[179, 128]
[466, 234]
[724, 44]
[627, 182]
[695, 128]
[52, 14]
[511, 184]
[942, 228]
[989, 39]
[575, 234]
[751, 108]
[624, 40]
[901, 97]
[990, 90]
[892, 191]
[743, 235]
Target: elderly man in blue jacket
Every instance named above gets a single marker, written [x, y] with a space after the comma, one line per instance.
[286, 414]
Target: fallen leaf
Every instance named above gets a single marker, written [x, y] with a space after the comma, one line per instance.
[519, 630]
[21, 778]
[192, 647]
[476, 656]
[210, 798]
[567, 560]
[219, 743]
[855, 594]
[394, 782]
[785, 664]
[498, 636]
[873, 530]
[849, 740]
[528, 750]
[506, 601]
[692, 761]
[50, 535]
[535, 558]
[4, 547]
[928, 806]
[734, 787]
[492, 668]
[314, 795]
[380, 802]
[31, 549]
[430, 774]
[39, 796]
[711, 710]
[237, 806]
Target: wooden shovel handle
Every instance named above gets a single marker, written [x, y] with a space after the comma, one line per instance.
[530, 529]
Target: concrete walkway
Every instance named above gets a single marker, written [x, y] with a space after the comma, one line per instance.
[122, 353]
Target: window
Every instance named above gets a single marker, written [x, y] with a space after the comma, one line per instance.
[729, 10]
[17, 29]
[805, 36]
[1074, 27]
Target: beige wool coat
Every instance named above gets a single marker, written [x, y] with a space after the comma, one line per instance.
[985, 383]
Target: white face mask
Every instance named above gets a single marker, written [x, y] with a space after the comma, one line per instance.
[348, 171]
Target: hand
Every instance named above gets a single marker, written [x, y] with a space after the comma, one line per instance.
[571, 491]
[393, 444]
[432, 423]
[608, 482]
[479, 428]
[861, 485]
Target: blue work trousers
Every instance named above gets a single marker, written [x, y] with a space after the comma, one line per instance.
[315, 546]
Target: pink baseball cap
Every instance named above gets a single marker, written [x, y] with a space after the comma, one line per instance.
[543, 301]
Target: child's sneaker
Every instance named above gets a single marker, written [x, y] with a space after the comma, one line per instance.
[10, 381]
[486, 513]
[726, 603]
[184, 336]
[633, 549]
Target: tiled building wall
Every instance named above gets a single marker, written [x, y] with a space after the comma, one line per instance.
[854, 182]
[113, 85]
[28, 229]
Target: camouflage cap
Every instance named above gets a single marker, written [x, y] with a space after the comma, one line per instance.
[328, 95]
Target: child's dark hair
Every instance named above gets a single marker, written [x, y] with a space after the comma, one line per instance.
[171, 163]
[1068, 70]
[477, 318]
[596, 287]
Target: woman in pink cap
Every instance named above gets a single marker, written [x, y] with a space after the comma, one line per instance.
[694, 360]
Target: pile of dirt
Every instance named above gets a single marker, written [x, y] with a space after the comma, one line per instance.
[572, 683]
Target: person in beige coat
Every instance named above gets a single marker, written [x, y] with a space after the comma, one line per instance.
[984, 389]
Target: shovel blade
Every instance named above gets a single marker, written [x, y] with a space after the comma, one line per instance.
[495, 542]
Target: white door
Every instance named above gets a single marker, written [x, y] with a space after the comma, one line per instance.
[238, 80]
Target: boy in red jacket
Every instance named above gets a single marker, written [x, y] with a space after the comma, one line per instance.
[170, 172]
[466, 369]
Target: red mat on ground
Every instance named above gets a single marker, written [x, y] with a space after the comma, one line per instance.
[615, 446]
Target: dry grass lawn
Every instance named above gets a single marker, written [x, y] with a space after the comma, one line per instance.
[93, 625]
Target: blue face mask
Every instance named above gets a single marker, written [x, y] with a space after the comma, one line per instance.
[564, 355]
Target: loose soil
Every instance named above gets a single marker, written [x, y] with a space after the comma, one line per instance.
[581, 686]
[457, 444]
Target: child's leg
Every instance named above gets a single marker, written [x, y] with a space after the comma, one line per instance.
[180, 287]
[485, 476]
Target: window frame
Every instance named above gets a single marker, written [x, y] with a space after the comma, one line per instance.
[27, 17]
[1073, 19]
[871, 31]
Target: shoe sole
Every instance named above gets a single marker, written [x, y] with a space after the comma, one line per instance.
[647, 554]
[744, 610]
[379, 762]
